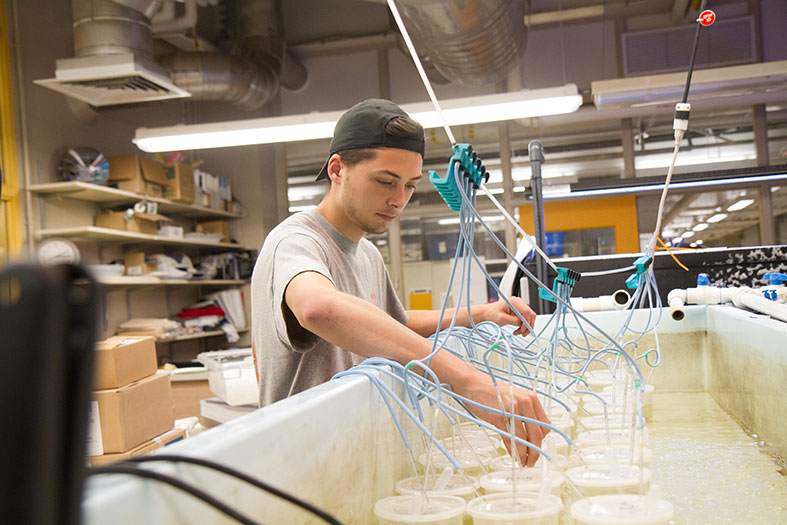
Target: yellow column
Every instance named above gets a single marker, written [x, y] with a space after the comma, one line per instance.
[11, 221]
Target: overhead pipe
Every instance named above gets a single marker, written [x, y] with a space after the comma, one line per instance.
[166, 22]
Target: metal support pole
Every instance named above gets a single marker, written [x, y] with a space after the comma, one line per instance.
[767, 222]
[627, 139]
[508, 183]
[536, 152]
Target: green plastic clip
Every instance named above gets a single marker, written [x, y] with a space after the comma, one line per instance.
[637, 383]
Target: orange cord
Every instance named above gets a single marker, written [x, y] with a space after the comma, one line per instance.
[671, 254]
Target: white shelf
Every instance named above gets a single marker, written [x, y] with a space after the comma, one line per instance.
[125, 280]
[200, 335]
[94, 233]
[109, 197]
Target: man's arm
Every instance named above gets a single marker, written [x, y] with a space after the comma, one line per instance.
[360, 327]
[424, 322]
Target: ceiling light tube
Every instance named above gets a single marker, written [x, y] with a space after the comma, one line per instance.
[741, 204]
[292, 128]
[717, 218]
[700, 227]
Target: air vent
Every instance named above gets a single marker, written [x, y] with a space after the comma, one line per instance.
[110, 80]
[725, 43]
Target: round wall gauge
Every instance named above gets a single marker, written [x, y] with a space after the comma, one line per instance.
[55, 250]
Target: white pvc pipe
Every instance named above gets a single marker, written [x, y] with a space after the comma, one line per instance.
[751, 299]
[741, 297]
[617, 301]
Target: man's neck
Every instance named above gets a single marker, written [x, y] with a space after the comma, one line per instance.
[339, 220]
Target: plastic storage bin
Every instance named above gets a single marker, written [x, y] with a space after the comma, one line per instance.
[620, 509]
[231, 375]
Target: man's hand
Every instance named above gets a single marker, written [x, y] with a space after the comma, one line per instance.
[500, 313]
[480, 389]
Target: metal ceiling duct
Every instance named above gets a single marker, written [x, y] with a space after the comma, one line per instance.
[114, 64]
[470, 42]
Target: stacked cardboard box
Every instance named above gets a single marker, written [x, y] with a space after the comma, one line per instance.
[132, 403]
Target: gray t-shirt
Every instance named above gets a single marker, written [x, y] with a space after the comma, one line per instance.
[291, 359]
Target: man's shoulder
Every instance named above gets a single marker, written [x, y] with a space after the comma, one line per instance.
[299, 223]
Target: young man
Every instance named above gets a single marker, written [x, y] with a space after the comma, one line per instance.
[322, 300]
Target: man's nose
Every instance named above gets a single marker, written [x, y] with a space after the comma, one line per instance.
[399, 198]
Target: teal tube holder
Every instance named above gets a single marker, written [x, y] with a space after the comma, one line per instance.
[469, 165]
[641, 264]
[565, 276]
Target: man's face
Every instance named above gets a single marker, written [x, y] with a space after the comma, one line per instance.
[374, 192]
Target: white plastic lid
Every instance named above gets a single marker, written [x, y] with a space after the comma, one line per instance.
[478, 441]
[597, 454]
[467, 458]
[617, 436]
[527, 479]
[596, 408]
[599, 476]
[648, 389]
[597, 422]
[506, 507]
[397, 508]
[458, 485]
[619, 509]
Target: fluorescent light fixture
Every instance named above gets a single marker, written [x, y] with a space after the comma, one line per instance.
[688, 235]
[717, 218]
[291, 128]
[674, 185]
[700, 227]
[698, 241]
[741, 204]
[763, 79]
[677, 240]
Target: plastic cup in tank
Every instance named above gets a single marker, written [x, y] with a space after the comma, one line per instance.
[519, 509]
[619, 509]
[595, 480]
[414, 509]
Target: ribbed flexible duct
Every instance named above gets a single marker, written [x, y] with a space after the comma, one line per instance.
[471, 42]
[218, 77]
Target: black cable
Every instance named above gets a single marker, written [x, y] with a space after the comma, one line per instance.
[693, 55]
[175, 482]
[241, 476]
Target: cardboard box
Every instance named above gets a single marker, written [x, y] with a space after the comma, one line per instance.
[189, 386]
[222, 227]
[132, 414]
[137, 174]
[136, 264]
[121, 360]
[180, 182]
[167, 438]
[146, 223]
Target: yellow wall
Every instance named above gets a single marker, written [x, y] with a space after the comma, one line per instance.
[11, 220]
[611, 212]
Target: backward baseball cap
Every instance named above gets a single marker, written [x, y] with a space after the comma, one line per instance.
[363, 126]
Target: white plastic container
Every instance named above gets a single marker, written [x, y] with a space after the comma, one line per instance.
[504, 509]
[621, 509]
[527, 480]
[478, 441]
[598, 422]
[231, 375]
[595, 480]
[646, 398]
[617, 436]
[597, 455]
[472, 462]
[437, 510]
[465, 487]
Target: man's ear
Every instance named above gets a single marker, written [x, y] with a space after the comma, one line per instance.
[335, 168]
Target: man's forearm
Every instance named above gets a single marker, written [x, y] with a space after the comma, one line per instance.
[424, 322]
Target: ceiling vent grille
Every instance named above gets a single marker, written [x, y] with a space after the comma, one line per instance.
[110, 80]
[725, 43]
